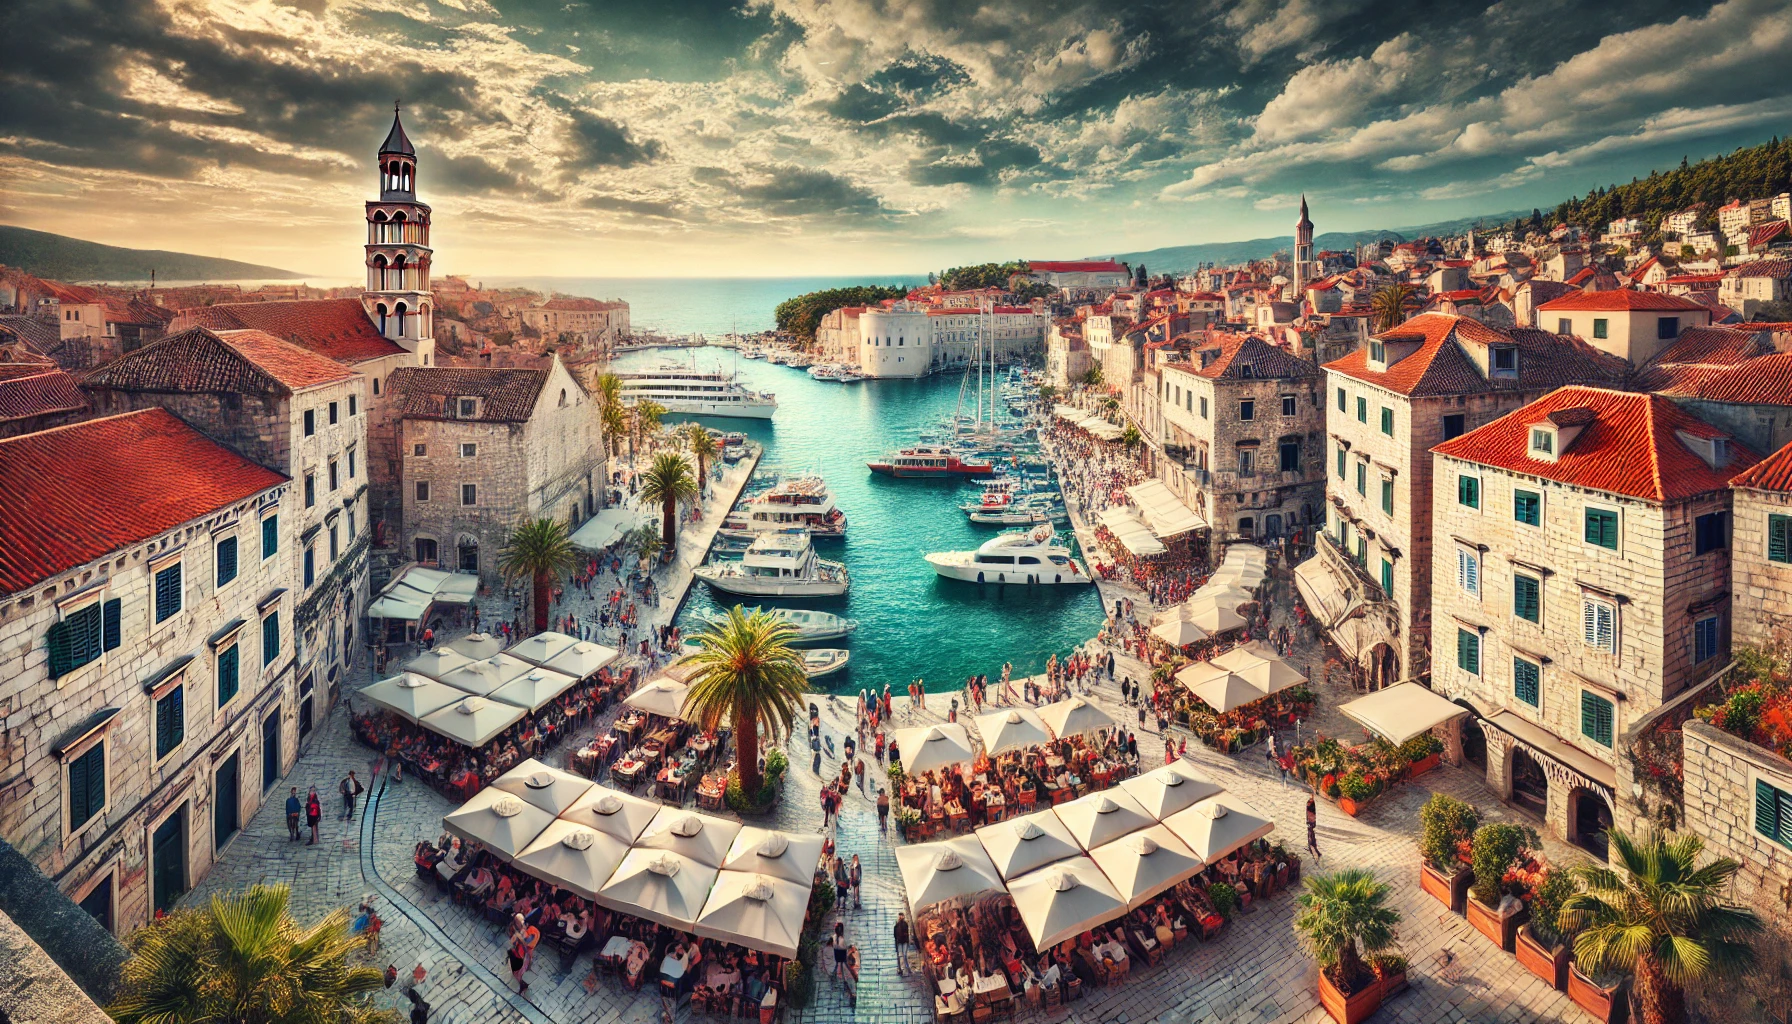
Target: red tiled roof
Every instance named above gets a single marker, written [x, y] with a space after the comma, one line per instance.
[1440, 366]
[1764, 233]
[1765, 268]
[336, 328]
[1695, 278]
[292, 365]
[1581, 276]
[1620, 300]
[49, 390]
[1764, 380]
[75, 293]
[1774, 473]
[508, 394]
[1629, 448]
[83, 491]
[200, 360]
[1267, 361]
[1075, 267]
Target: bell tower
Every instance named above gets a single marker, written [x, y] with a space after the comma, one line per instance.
[398, 298]
[1305, 270]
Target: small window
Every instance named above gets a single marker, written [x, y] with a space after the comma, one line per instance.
[270, 536]
[1362, 550]
[1247, 462]
[419, 451]
[1527, 597]
[229, 673]
[310, 490]
[1290, 452]
[1564, 325]
[1362, 478]
[1362, 409]
[1779, 539]
[1599, 624]
[1600, 329]
[1247, 409]
[1468, 491]
[1773, 813]
[1505, 361]
[376, 385]
[87, 786]
[1468, 572]
[1468, 651]
[1596, 718]
[1387, 496]
[1602, 528]
[332, 412]
[1704, 640]
[310, 564]
[422, 490]
[1387, 421]
[168, 592]
[469, 450]
[1378, 352]
[1711, 532]
[351, 463]
[1527, 682]
[270, 638]
[171, 721]
[333, 548]
[310, 422]
[426, 550]
[226, 560]
[1289, 405]
[1341, 406]
[1341, 457]
[1527, 507]
[1455, 425]
[1387, 577]
[469, 494]
[351, 405]
[333, 480]
[1667, 328]
[1203, 407]
[1543, 442]
[469, 408]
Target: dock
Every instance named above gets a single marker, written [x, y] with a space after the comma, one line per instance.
[694, 541]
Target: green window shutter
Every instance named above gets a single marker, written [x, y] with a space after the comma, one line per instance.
[1596, 718]
[1468, 652]
[1525, 682]
[1340, 462]
[171, 721]
[112, 612]
[1767, 816]
[1340, 399]
[1387, 497]
[58, 640]
[1602, 528]
[1526, 598]
[270, 639]
[76, 640]
[270, 535]
[1387, 576]
[87, 785]
[168, 592]
[226, 560]
[1779, 538]
[229, 674]
[1527, 508]
[1387, 421]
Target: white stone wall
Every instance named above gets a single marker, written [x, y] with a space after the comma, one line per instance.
[1761, 590]
[1719, 794]
[329, 634]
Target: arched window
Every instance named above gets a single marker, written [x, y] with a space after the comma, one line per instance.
[376, 380]
[399, 312]
[381, 310]
[398, 282]
[379, 270]
[562, 398]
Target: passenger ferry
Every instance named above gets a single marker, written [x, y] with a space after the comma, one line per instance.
[798, 501]
[697, 393]
[1028, 557]
[810, 626]
[779, 563]
[929, 461]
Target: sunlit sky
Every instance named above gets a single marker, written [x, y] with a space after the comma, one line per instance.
[764, 137]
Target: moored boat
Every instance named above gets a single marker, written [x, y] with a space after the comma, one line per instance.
[779, 563]
[810, 626]
[929, 461]
[1030, 557]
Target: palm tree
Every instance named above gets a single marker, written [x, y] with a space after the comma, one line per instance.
[540, 551]
[703, 445]
[647, 418]
[609, 390]
[1390, 305]
[644, 543]
[614, 420]
[750, 676]
[244, 959]
[1047, 392]
[668, 481]
[1663, 918]
[1341, 913]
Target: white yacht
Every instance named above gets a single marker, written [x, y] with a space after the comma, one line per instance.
[1023, 556]
[779, 563]
[697, 393]
[824, 661]
[811, 626]
[797, 501]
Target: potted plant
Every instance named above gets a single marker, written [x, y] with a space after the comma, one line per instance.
[1542, 946]
[1603, 996]
[1343, 918]
[1353, 792]
[1446, 823]
[1492, 908]
[1421, 753]
[1224, 898]
[906, 820]
[1390, 970]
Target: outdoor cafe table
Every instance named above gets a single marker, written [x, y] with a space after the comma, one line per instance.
[991, 988]
[629, 771]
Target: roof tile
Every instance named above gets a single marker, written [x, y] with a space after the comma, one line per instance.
[1619, 300]
[337, 328]
[1440, 366]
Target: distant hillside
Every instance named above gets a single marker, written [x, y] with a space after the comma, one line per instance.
[1177, 258]
[1752, 172]
[72, 259]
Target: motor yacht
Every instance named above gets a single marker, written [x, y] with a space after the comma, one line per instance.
[796, 501]
[697, 393]
[1023, 556]
[929, 461]
[810, 626]
[779, 563]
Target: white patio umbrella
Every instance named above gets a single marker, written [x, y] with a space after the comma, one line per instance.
[1103, 816]
[1145, 863]
[477, 646]
[573, 857]
[1218, 825]
[499, 821]
[661, 697]
[550, 789]
[612, 813]
[1013, 729]
[1261, 667]
[480, 678]
[535, 689]
[1167, 789]
[1061, 900]
[701, 837]
[1245, 554]
[437, 662]
[1248, 577]
[583, 659]
[472, 721]
[542, 647]
[1224, 595]
[1178, 632]
[1019, 845]
[1223, 690]
[659, 885]
[933, 873]
[1215, 616]
[1074, 716]
[763, 851]
[411, 696]
[934, 746]
[760, 912]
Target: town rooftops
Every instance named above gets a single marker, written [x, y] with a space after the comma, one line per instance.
[40, 392]
[336, 328]
[433, 393]
[1619, 300]
[200, 360]
[1637, 445]
[1765, 268]
[1774, 473]
[1441, 365]
[1075, 267]
[575, 303]
[1239, 351]
[81, 492]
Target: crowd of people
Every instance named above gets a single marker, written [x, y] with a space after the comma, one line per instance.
[1017, 782]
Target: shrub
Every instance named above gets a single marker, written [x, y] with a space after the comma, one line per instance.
[1546, 908]
[821, 902]
[777, 763]
[1496, 848]
[1355, 787]
[1387, 965]
[1421, 746]
[737, 800]
[1224, 897]
[896, 776]
[1447, 823]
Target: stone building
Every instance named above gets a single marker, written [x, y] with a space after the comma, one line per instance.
[146, 656]
[296, 412]
[1580, 579]
[589, 324]
[1761, 550]
[1066, 353]
[1734, 376]
[37, 395]
[486, 449]
[837, 336]
[1430, 379]
[1631, 324]
[1243, 425]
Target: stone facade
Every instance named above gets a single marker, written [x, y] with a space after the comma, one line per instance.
[1066, 355]
[1760, 588]
[1721, 787]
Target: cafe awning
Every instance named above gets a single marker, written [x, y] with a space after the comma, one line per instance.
[437, 662]
[704, 838]
[1163, 511]
[477, 646]
[1165, 790]
[1103, 816]
[472, 721]
[1012, 729]
[1144, 863]
[1326, 596]
[791, 856]
[1061, 900]
[757, 911]
[1262, 667]
[583, 659]
[550, 789]
[659, 885]
[502, 822]
[1562, 761]
[411, 696]
[542, 647]
[1211, 613]
[934, 746]
[1402, 711]
[664, 697]
[603, 529]
[1178, 631]
[1074, 716]
[621, 815]
[573, 857]
[410, 594]
[933, 873]
[535, 689]
[1218, 825]
[1019, 845]
[1067, 412]
[1222, 689]
[480, 678]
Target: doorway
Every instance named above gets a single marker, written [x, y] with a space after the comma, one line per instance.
[1592, 820]
[225, 798]
[168, 856]
[1530, 787]
[98, 902]
[1384, 667]
[1474, 744]
[270, 751]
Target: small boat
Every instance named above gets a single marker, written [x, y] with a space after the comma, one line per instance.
[825, 371]
[1029, 557]
[779, 563]
[824, 661]
[1011, 516]
[929, 461]
[752, 353]
[811, 626]
[849, 377]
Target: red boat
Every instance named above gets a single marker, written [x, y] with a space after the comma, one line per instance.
[930, 462]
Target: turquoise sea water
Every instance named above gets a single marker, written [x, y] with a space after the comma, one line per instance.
[911, 622]
[698, 305]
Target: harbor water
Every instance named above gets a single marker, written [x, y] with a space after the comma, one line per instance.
[912, 624]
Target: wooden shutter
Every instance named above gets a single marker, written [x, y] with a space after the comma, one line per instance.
[168, 591]
[226, 560]
[1767, 814]
[59, 639]
[113, 625]
[270, 535]
[1779, 538]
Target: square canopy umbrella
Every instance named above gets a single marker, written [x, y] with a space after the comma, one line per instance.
[763, 851]
[659, 885]
[1218, 825]
[1248, 577]
[477, 646]
[1261, 667]
[1074, 716]
[480, 678]
[437, 662]
[550, 789]
[1245, 554]
[1224, 595]
[1103, 816]
[612, 813]
[499, 821]
[542, 647]
[760, 912]
[1178, 631]
[934, 746]
[1019, 845]
[1164, 791]
[535, 689]
[1012, 729]
[662, 696]
[1402, 711]
[946, 870]
[1223, 690]
[573, 857]
[1213, 615]
[411, 696]
[472, 721]
[1060, 901]
[583, 659]
[701, 837]
[1145, 863]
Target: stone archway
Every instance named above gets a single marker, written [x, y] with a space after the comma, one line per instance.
[1383, 666]
[1530, 785]
[1474, 743]
[1589, 818]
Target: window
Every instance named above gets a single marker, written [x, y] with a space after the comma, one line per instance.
[1667, 328]
[171, 721]
[332, 412]
[1387, 576]
[1455, 425]
[1711, 532]
[351, 405]
[1378, 352]
[332, 474]
[469, 494]
[1704, 639]
[1203, 407]
[87, 786]
[1527, 682]
[376, 385]
[349, 531]
[1362, 550]
[83, 636]
[1362, 409]
[1289, 407]
[1599, 624]
[469, 408]
[1779, 539]
[1468, 652]
[468, 450]
[426, 550]
[1543, 442]
[1247, 462]
[1773, 812]
[1387, 496]
[1247, 409]
[310, 564]
[270, 638]
[419, 451]
[168, 593]
[333, 548]
[423, 490]
[351, 463]
[1362, 478]
[1602, 528]
[1527, 507]
[270, 536]
[1340, 462]
[1468, 491]
[1505, 361]
[225, 557]
[310, 422]
[1468, 571]
[1596, 718]
[229, 665]
[310, 490]
[1600, 329]
[1527, 597]
[1564, 325]
[1290, 451]
[1341, 406]
[1387, 421]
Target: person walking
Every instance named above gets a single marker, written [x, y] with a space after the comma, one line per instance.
[842, 877]
[1269, 747]
[901, 938]
[858, 768]
[294, 809]
[838, 943]
[314, 811]
[351, 788]
[883, 809]
[1313, 828]
[856, 876]
[518, 954]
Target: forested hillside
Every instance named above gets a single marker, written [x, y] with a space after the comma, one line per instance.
[1755, 172]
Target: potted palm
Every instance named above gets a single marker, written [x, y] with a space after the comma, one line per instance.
[747, 676]
[1343, 918]
[1542, 946]
[1664, 921]
[1492, 908]
[1447, 823]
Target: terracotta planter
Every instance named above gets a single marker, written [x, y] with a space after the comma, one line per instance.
[1502, 930]
[1450, 890]
[1610, 1005]
[1421, 766]
[1349, 1009]
[1550, 966]
[1348, 806]
[1392, 985]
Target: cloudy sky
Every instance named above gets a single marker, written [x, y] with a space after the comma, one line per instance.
[759, 137]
